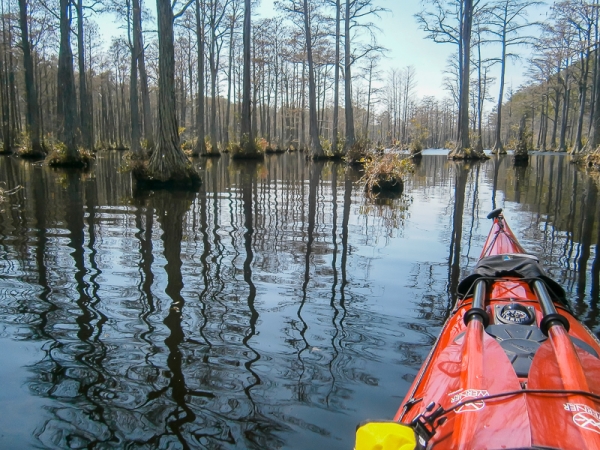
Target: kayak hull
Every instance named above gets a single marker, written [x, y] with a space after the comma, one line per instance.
[508, 374]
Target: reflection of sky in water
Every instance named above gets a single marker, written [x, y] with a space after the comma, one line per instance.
[94, 353]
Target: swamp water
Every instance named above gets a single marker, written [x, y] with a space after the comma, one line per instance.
[275, 308]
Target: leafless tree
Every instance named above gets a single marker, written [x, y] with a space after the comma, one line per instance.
[168, 164]
[507, 22]
[33, 116]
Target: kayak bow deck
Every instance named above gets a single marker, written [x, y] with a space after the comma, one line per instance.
[512, 367]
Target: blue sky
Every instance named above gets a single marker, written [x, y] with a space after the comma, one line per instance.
[406, 43]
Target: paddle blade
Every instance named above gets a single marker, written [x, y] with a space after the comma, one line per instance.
[576, 416]
[496, 423]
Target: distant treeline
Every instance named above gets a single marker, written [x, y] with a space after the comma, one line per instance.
[113, 100]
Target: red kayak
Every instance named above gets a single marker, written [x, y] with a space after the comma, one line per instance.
[512, 368]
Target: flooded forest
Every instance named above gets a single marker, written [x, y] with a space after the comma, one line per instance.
[276, 307]
[188, 255]
[292, 75]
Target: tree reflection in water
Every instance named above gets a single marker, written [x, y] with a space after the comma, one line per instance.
[274, 308]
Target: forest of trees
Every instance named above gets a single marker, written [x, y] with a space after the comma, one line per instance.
[313, 79]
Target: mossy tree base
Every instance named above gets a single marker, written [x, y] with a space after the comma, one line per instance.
[592, 161]
[184, 178]
[274, 151]
[246, 150]
[81, 159]
[521, 156]
[250, 156]
[387, 185]
[383, 174]
[28, 152]
[157, 173]
[336, 157]
[460, 153]
[211, 155]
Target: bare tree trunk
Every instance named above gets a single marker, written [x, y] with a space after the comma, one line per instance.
[213, 61]
[463, 148]
[366, 129]
[200, 148]
[68, 122]
[336, 76]
[546, 117]
[498, 146]
[350, 138]
[119, 129]
[594, 137]
[85, 112]
[480, 97]
[190, 74]
[15, 117]
[229, 73]
[135, 147]
[236, 102]
[255, 89]
[585, 61]
[316, 151]
[247, 144]
[302, 124]
[555, 122]
[268, 86]
[4, 97]
[277, 88]
[145, 91]
[246, 137]
[33, 117]
[562, 145]
[168, 164]
[183, 98]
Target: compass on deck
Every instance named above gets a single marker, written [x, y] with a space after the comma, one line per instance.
[515, 313]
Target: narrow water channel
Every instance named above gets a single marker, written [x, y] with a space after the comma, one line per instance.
[275, 308]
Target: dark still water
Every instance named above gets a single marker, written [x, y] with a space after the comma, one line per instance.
[275, 308]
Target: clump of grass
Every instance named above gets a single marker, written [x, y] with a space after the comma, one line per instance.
[185, 177]
[188, 146]
[25, 149]
[359, 153]
[210, 150]
[592, 160]
[416, 147]
[385, 173]
[59, 157]
[133, 162]
[247, 149]
[450, 145]
[274, 147]
[332, 152]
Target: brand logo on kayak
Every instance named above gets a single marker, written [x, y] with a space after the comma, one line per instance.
[466, 394]
[584, 417]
